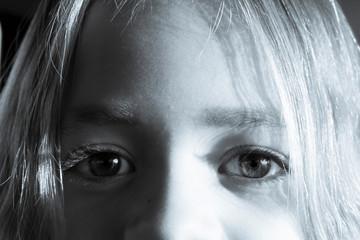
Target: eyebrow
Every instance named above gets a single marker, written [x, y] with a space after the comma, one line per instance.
[100, 115]
[246, 117]
[214, 117]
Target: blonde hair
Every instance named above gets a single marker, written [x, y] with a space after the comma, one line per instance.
[303, 49]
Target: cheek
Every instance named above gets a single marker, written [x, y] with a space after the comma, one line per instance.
[261, 226]
[258, 218]
[107, 215]
[98, 214]
[92, 216]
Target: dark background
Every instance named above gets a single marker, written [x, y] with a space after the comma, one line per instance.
[15, 16]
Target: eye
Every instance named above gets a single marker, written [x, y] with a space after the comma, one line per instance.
[254, 162]
[99, 161]
[104, 164]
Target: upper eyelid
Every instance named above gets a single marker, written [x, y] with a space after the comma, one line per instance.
[228, 155]
[72, 159]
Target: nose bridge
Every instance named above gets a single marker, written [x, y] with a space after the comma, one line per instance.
[191, 202]
[188, 208]
[191, 198]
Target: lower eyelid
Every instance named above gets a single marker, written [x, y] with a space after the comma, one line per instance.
[239, 184]
[94, 183]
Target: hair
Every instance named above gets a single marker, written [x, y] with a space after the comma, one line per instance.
[302, 49]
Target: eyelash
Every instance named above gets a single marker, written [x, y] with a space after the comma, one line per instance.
[83, 153]
[281, 160]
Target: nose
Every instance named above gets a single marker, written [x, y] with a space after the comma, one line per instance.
[190, 207]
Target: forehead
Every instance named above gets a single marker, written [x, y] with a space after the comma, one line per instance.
[161, 48]
[161, 61]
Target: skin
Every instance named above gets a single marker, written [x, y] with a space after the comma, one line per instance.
[169, 95]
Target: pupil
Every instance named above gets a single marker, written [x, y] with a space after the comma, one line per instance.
[254, 165]
[104, 164]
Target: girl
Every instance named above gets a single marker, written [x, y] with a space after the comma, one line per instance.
[195, 119]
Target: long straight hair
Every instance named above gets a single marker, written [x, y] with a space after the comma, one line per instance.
[302, 49]
[30, 174]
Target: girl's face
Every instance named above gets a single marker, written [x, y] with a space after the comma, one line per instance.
[155, 142]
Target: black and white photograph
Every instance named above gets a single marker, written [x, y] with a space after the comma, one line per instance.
[179, 120]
